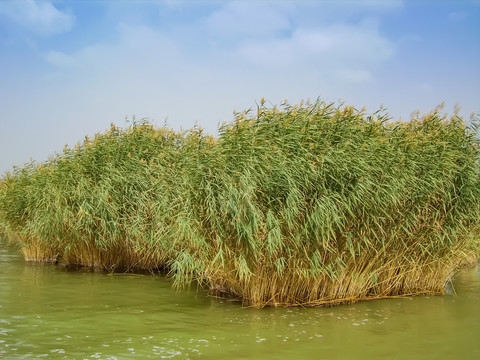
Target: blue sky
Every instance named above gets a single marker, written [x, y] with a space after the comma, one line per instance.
[70, 68]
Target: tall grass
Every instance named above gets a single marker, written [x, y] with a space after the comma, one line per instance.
[304, 204]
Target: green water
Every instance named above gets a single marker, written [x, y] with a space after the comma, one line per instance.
[50, 313]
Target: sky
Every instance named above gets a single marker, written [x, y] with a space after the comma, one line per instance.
[71, 68]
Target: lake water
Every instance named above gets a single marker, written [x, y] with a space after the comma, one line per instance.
[49, 313]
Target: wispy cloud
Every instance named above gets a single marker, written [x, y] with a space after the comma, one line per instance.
[138, 51]
[40, 17]
[331, 50]
[249, 18]
[270, 44]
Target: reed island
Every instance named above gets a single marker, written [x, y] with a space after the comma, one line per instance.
[309, 204]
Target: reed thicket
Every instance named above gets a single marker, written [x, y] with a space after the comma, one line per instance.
[304, 204]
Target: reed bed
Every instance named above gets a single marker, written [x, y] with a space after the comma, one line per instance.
[309, 204]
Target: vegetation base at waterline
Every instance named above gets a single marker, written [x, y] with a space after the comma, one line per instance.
[304, 204]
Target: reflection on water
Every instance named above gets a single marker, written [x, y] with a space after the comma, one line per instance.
[46, 312]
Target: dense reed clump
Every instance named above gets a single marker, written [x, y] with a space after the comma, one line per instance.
[304, 205]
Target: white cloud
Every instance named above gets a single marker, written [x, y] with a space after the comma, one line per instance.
[41, 17]
[144, 73]
[249, 18]
[352, 43]
[336, 49]
[271, 53]
[139, 50]
[58, 59]
[355, 75]
[153, 73]
[263, 39]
